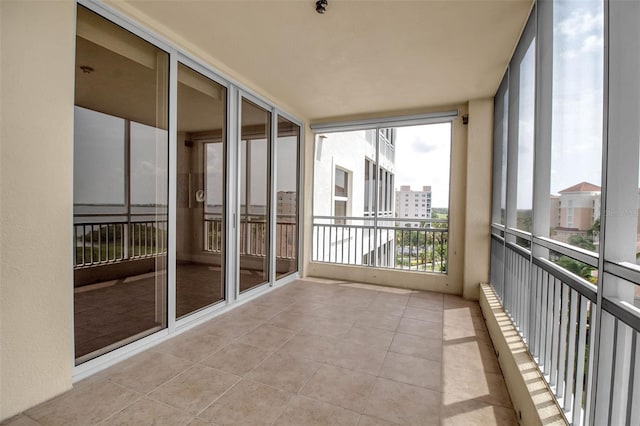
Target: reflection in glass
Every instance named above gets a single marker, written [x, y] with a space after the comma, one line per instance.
[287, 197]
[576, 139]
[98, 136]
[254, 195]
[120, 187]
[200, 208]
[526, 112]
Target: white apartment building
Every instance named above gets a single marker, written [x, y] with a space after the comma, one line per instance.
[287, 203]
[347, 183]
[574, 210]
[413, 204]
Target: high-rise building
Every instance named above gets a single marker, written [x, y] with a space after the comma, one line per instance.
[413, 204]
[574, 211]
[351, 184]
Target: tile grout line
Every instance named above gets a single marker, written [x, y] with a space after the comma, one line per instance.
[218, 398]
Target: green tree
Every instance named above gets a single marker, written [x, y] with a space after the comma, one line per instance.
[594, 231]
[582, 242]
[576, 267]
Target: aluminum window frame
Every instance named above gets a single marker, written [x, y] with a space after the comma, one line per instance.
[235, 90]
[378, 125]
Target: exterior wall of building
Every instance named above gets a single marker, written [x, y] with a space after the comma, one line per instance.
[579, 209]
[452, 282]
[413, 204]
[347, 152]
[554, 212]
[36, 163]
[287, 202]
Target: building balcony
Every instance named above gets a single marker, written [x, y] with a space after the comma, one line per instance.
[313, 352]
[198, 105]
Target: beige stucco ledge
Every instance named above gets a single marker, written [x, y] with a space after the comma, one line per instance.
[532, 400]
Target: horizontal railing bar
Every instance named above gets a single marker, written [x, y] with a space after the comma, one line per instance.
[624, 311]
[118, 214]
[577, 283]
[518, 233]
[390, 228]
[625, 270]
[119, 222]
[384, 218]
[520, 250]
[497, 238]
[498, 226]
[577, 253]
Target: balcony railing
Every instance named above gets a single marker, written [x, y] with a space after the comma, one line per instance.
[392, 243]
[253, 237]
[555, 312]
[115, 239]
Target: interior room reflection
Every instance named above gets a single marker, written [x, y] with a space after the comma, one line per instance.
[255, 154]
[200, 189]
[120, 187]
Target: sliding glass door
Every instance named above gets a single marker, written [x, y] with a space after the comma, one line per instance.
[287, 178]
[200, 204]
[255, 144]
[169, 161]
[120, 187]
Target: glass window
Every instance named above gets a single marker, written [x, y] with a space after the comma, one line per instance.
[576, 138]
[342, 183]
[339, 159]
[503, 168]
[254, 190]
[201, 136]
[367, 186]
[287, 195]
[120, 187]
[526, 114]
[99, 157]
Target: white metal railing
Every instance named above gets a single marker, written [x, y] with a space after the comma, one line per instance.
[553, 310]
[595, 381]
[115, 240]
[393, 243]
[253, 237]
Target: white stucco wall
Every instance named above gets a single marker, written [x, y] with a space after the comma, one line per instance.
[478, 197]
[36, 158]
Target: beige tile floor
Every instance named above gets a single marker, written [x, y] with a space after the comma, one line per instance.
[314, 352]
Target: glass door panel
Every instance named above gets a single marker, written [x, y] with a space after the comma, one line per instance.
[120, 187]
[255, 141]
[287, 197]
[200, 217]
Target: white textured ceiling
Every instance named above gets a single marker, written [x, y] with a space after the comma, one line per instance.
[359, 57]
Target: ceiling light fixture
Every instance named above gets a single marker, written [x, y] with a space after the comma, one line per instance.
[321, 6]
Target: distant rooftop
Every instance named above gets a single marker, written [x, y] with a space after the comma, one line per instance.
[582, 187]
[408, 188]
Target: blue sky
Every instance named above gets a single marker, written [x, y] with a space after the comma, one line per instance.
[577, 101]
[423, 157]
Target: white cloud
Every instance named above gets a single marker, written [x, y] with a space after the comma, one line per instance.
[422, 158]
[580, 23]
[593, 43]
